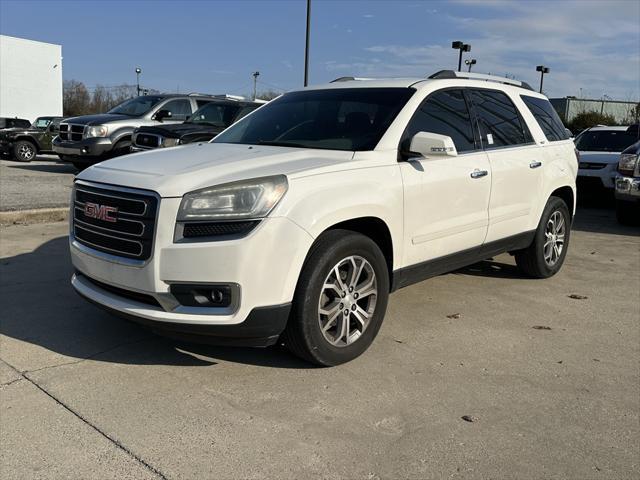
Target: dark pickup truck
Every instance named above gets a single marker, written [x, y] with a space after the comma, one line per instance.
[205, 123]
[24, 143]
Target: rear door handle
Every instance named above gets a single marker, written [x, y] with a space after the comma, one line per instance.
[479, 173]
[535, 164]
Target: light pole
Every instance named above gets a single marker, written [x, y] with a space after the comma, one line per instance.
[138, 72]
[542, 69]
[255, 83]
[306, 47]
[470, 63]
[463, 47]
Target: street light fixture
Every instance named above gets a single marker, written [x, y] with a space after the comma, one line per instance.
[255, 83]
[463, 47]
[470, 63]
[542, 69]
[138, 72]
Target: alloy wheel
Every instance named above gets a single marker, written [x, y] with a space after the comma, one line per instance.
[554, 238]
[26, 152]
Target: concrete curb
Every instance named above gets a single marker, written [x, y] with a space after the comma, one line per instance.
[39, 215]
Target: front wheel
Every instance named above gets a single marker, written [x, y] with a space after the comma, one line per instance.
[546, 254]
[627, 213]
[24, 151]
[340, 300]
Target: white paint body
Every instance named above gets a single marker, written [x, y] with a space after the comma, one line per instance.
[431, 206]
[30, 78]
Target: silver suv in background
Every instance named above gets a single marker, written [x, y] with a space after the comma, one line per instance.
[90, 139]
[628, 182]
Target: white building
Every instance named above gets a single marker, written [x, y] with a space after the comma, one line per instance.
[30, 78]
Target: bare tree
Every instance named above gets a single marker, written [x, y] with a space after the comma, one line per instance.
[76, 99]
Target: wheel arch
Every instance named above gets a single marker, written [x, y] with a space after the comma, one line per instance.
[24, 138]
[566, 194]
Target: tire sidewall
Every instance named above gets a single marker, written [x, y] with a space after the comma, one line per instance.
[554, 204]
[315, 272]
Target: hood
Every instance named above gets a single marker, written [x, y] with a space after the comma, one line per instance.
[99, 119]
[178, 130]
[600, 157]
[172, 172]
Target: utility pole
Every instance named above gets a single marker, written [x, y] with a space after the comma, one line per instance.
[542, 69]
[255, 84]
[138, 72]
[306, 47]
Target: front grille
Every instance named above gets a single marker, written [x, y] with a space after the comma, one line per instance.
[147, 140]
[71, 132]
[592, 166]
[217, 229]
[121, 292]
[115, 221]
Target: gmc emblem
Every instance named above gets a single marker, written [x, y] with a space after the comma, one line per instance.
[100, 212]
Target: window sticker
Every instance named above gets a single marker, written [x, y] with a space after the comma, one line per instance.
[490, 139]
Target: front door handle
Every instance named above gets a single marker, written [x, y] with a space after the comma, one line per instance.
[479, 173]
[535, 164]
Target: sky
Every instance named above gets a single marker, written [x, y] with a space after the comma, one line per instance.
[591, 47]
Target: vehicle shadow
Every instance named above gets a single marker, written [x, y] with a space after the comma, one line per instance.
[50, 167]
[41, 308]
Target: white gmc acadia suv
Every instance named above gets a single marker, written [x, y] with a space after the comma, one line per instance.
[296, 223]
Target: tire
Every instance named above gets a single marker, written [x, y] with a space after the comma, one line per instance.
[122, 147]
[80, 166]
[334, 253]
[24, 151]
[627, 213]
[538, 261]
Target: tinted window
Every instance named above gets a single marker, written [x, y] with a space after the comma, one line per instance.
[445, 113]
[180, 109]
[605, 140]
[546, 117]
[246, 110]
[336, 119]
[201, 103]
[216, 114]
[136, 106]
[500, 122]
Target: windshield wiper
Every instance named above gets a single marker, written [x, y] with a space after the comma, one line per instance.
[281, 144]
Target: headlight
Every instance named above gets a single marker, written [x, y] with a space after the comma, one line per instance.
[170, 142]
[253, 198]
[95, 131]
[627, 163]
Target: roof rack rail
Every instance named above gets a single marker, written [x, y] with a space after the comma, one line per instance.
[349, 79]
[480, 76]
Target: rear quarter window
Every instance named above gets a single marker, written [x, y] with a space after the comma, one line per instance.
[546, 117]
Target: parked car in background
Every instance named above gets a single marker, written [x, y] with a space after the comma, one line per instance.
[206, 122]
[23, 144]
[600, 149]
[297, 222]
[6, 122]
[628, 182]
[90, 139]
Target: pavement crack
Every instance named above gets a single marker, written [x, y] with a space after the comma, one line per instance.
[6, 384]
[114, 441]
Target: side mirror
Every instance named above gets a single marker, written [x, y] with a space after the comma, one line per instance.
[430, 144]
[161, 115]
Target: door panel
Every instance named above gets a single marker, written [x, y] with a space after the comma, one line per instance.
[446, 210]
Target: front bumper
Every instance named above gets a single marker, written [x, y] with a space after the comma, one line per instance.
[606, 175]
[628, 188]
[265, 265]
[88, 150]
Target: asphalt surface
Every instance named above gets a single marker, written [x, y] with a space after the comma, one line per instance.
[43, 183]
[551, 383]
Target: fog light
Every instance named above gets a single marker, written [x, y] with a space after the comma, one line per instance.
[84, 150]
[203, 295]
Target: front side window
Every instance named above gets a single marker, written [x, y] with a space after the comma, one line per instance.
[180, 109]
[445, 113]
[352, 119]
[605, 140]
[500, 121]
[215, 114]
[546, 117]
[136, 107]
[42, 122]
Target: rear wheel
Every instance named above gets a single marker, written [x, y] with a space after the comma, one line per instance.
[340, 300]
[546, 254]
[628, 213]
[24, 151]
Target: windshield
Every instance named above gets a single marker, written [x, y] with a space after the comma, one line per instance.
[42, 122]
[605, 140]
[136, 106]
[336, 119]
[218, 115]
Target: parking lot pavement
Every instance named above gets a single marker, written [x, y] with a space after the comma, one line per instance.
[550, 382]
[43, 183]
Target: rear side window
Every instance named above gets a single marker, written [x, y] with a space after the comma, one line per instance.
[445, 113]
[500, 122]
[180, 109]
[546, 117]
